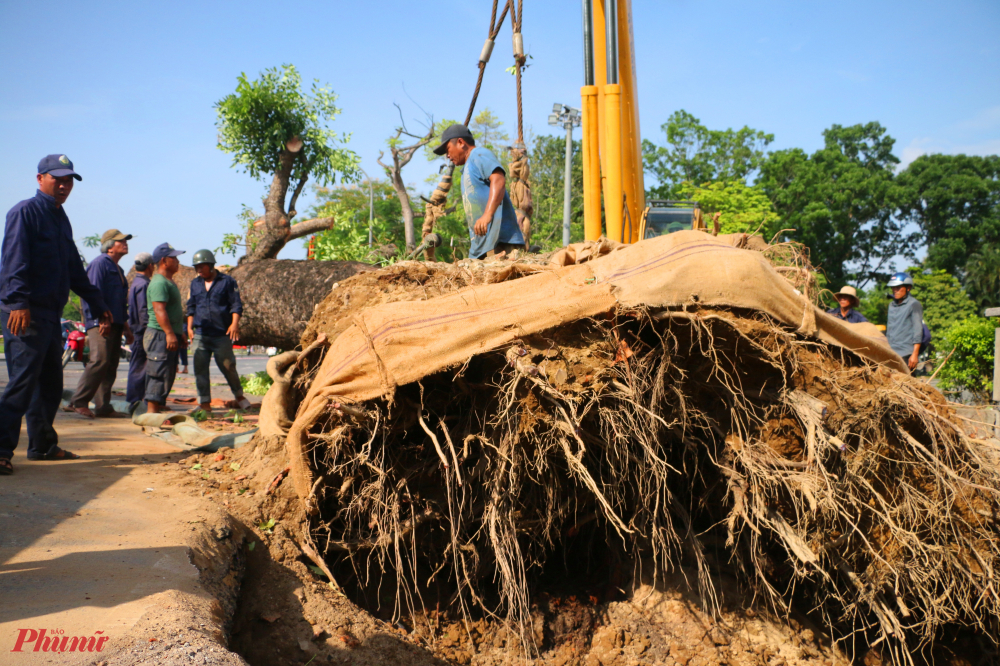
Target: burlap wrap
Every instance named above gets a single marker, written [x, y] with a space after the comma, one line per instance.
[399, 343]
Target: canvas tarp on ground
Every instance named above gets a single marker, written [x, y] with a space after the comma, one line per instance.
[399, 343]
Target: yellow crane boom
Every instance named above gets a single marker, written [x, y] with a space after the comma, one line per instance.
[612, 149]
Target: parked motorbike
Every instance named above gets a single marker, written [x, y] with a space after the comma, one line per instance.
[76, 348]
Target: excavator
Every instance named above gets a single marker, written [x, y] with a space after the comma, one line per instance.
[612, 146]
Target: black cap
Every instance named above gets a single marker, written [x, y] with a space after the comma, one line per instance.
[455, 131]
[57, 166]
[164, 250]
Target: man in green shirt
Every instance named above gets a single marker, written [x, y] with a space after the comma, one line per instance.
[163, 335]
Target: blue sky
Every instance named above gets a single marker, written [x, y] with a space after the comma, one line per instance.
[127, 89]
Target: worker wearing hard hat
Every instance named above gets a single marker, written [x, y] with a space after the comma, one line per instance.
[905, 328]
[489, 212]
[848, 300]
[213, 318]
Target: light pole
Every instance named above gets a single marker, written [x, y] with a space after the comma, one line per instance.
[371, 205]
[569, 118]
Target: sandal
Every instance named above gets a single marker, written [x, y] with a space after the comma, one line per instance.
[58, 454]
[6, 467]
[84, 411]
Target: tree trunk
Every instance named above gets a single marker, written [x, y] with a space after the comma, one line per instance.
[406, 207]
[279, 296]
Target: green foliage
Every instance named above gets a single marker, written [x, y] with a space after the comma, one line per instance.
[348, 239]
[73, 310]
[547, 159]
[874, 304]
[696, 154]
[256, 383]
[267, 526]
[232, 243]
[742, 207]
[199, 415]
[982, 276]
[970, 367]
[955, 199]
[841, 201]
[944, 300]
[263, 114]
[91, 241]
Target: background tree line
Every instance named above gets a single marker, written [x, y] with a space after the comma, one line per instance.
[860, 216]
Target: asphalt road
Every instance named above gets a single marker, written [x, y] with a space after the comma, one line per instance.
[184, 384]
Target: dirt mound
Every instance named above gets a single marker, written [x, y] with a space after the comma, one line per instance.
[405, 281]
[527, 498]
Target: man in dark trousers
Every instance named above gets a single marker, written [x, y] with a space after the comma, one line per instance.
[904, 325]
[213, 316]
[163, 337]
[489, 212]
[40, 264]
[138, 318]
[105, 350]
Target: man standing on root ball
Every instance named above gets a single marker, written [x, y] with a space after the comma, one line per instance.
[38, 266]
[105, 345]
[138, 319]
[163, 335]
[213, 321]
[905, 328]
[489, 212]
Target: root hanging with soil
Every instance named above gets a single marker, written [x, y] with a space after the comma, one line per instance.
[707, 440]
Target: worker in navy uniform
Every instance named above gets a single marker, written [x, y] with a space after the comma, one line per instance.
[213, 318]
[105, 350]
[848, 300]
[138, 318]
[40, 264]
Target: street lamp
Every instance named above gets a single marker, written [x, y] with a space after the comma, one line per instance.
[371, 205]
[569, 118]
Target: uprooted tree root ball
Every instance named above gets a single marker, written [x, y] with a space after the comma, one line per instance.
[647, 443]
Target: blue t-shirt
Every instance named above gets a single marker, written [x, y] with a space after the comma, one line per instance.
[475, 194]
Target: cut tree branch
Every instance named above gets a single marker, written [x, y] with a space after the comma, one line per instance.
[307, 227]
[296, 193]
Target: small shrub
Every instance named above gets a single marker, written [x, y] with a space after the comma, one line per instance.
[257, 383]
[970, 367]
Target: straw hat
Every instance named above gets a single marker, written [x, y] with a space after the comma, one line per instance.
[849, 292]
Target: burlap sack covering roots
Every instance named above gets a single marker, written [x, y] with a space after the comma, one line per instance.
[677, 404]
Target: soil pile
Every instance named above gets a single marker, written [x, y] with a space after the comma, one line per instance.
[574, 463]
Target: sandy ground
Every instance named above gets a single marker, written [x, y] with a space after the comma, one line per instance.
[102, 546]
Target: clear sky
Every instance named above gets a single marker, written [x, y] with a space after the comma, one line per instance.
[126, 89]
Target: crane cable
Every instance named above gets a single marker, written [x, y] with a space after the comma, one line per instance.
[434, 208]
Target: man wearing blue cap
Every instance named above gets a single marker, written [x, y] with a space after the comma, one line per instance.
[40, 264]
[163, 336]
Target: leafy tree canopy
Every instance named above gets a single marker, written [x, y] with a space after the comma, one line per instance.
[955, 200]
[696, 154]
[347, 239]
[741, 207]
[547, 158]
[842, 202]
[256, 122]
